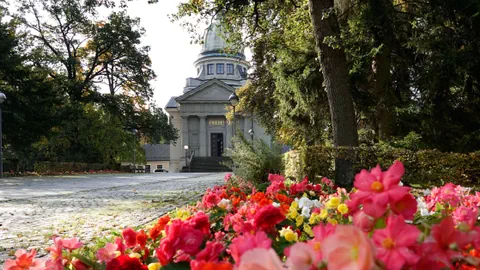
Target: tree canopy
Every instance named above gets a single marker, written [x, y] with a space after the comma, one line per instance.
[76, 84]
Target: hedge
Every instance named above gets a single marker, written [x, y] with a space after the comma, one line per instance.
[49, 167]
[424, 168]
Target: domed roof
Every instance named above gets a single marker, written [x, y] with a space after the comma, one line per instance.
[213, 40]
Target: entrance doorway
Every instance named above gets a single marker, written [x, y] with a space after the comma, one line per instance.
[216, 144]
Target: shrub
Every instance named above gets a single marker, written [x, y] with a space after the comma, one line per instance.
[254, 161]
[425, 167]
[46, 167]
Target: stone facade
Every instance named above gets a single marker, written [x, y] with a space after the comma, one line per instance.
[199, 114]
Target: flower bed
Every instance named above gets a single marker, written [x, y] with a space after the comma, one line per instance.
[380, 225]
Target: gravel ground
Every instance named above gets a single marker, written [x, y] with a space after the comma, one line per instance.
[34, 209]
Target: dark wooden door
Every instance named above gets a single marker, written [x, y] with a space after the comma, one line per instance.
[216, 144]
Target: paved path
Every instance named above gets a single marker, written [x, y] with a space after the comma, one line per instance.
[34, 208]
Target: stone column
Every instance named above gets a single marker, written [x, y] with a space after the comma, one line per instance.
[184, 135]
[203, 136]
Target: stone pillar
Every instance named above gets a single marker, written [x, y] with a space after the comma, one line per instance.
[184, 135]
[203, 136]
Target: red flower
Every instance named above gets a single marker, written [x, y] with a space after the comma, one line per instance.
[202, 265]
[268, 217]
[125, 262]
[120, 246]
[200, 222]
[130, 237]
[159, 227]
[142, 238]
[211, 252]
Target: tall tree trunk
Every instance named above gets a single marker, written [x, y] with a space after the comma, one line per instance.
[383, 35]
[385, 111]
[335, 73]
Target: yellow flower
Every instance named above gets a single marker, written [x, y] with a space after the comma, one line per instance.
[342, 208]
[294, 205]
[292, 214]
[291, 236]
[332, 221]
[305, 195]
[135, 255]
[307, 229]
[314, 219]
[333, 202]
[299, 221]
[323, 214]
[154, 266]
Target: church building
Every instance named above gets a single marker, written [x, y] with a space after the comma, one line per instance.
[199, 113]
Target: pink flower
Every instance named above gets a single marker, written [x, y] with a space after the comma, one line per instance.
[394, 243]
[130, 237]
[276, 177]
[24, 260]
[348, 249]
[376, 188]
[71, 244]
[210, 199]
[107, 253]
[54, 264]
[56, 249]
[320, 232]
[301, 257]
[243, 243]
[363, 221]
[227, 177]
[465, 217]
[260, 259]
[442, 238]
[406, 206]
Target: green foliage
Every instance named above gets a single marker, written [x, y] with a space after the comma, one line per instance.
[253, 162]
[424, 168]
[413, 67]
[61, 167]
[54, 56]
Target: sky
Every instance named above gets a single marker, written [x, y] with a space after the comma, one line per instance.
[171, 52]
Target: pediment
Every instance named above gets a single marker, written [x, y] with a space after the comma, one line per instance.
[214, 90]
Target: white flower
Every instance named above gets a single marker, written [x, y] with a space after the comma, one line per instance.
[225, 204]
[306, 212]
[305, 202]
[400, 184]
[426, 192]
[276, 204]
[316, 203]
[424, 212]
